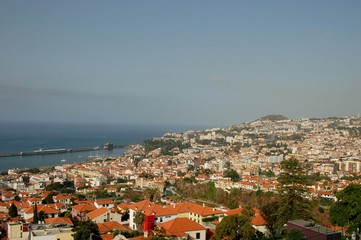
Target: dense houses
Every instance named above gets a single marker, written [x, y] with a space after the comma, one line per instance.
[330, 149]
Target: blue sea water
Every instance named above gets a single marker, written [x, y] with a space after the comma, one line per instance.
[23, 137]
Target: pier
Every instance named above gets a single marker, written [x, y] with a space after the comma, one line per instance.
[60, 150]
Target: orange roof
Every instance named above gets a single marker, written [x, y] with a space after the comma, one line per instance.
[111, 226]
[257, 219]
[3, 215]
[97, 212]
[57, 205]
[150, 208]
[8, 194]
[123, 206]
[83, 207]
[34, 199]
[89, 202]
[179, 226]
[59, 220]
[61, 197]
[44, 208]
[5, 204]
[196, 208]
[101, 202]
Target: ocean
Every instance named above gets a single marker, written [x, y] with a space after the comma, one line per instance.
[24, 137]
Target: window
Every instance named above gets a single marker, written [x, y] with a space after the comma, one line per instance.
[198, 235]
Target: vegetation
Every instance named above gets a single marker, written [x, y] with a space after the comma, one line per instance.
[292, 192]
[49, 198]
[232, 199]
[138, 219]
[165, 145]
[58, 187]
[290, 203]
[13, 211]
[35, 217]
[274, 117]
[41, 216]
[347, 209]
[296, 234]
[102, 193]
[31, 170]
[232, 174]
[86, 230]
[235, 227]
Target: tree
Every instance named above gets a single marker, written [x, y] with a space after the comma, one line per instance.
[347, 209]
[152, 194]
[234, 227]
[211, 191]
[54, 186]
[86, 230]
[296, 234]
[49, 198]
[293, 188]
[13, 211]
[232, 174]
[41, 216]
[35, 217]
[227, 165]
[269, 213]
[138, 219]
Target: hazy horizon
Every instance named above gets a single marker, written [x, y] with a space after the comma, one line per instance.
[178, 63]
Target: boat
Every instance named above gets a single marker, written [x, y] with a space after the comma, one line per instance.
[108, 146]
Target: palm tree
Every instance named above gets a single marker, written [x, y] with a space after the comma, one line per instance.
[138, 219]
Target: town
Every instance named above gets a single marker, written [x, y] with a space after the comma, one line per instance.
[184, 185]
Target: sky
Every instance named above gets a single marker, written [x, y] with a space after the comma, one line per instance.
[192, 62]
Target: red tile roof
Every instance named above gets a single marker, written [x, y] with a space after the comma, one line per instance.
[59, 220]
[150, 208]
[196, 208]
[83, 208]
[101, 202]
[179, 226]
[44, 208]
[97, 212]
[111, 226]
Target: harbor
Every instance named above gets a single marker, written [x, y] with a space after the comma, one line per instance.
[41, 151]
[54, 159]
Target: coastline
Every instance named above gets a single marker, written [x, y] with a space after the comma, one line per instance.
[51, 160]
[58, 151]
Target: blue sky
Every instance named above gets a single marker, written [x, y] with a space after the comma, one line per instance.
[204, 63]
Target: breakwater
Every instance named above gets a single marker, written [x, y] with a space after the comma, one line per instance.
[59, 150]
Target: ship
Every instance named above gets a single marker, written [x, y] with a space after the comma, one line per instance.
[108, 146]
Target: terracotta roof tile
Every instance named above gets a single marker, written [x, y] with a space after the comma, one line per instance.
[150, 208]
[179, 226]
[111, 226]
[101, 202]
[196, 208]
[97, 212]
[83, 207]
[59, 220]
